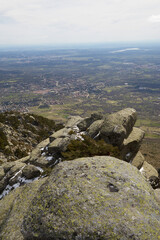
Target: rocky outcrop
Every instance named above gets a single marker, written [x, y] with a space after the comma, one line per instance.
[118, 126]
[93, 198]
[15, 174]
[116, 129]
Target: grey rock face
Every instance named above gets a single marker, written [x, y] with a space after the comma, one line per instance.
[10, 173]
[93, 198]
[85, 123]
[30, 171]
[36, 153]
[13, 208]
[147, 170]
[118, 126]
[138, 160]
[3, 184]
[8, 166]
[73, 121]
[62, 133]
[58, 145]
[94, 128]
[2, 173]
[157, 194]
[132, 144]
[16, 168]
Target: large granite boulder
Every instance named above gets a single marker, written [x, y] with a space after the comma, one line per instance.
[147, 170]
[93, 198]
[30, 171]
[117, 126]
[94, 129]
[138, 160]
[132, 144]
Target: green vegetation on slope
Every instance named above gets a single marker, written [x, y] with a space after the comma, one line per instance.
[88, 148]
[20, 132]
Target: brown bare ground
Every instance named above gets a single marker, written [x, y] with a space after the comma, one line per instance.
[151, 151]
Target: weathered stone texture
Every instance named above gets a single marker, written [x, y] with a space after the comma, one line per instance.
[93, 198]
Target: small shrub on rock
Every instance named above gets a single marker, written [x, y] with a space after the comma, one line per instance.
[88, 148]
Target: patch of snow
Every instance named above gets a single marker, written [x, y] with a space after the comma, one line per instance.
[96, 135]
[8, 189]
[40, 169]
[49, 158]
[78, 136]
[128, 155]
[83, 133]
[24, 180]
[57, 161]
[20, 181]
[20, 171]
[142, 170]
[76, 129]
[115, 128]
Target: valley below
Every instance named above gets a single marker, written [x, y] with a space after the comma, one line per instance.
[56, 83]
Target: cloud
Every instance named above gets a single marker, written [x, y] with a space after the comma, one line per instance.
[5, 19]
[74, 21]
[154, 19]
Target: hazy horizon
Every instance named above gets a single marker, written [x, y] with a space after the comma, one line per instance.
[101, 45]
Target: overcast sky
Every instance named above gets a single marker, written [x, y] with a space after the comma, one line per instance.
[78, 21]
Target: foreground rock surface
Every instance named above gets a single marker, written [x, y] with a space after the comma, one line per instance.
[93, 198]
[13, 208]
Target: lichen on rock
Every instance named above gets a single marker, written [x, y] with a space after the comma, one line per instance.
[93, 198]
